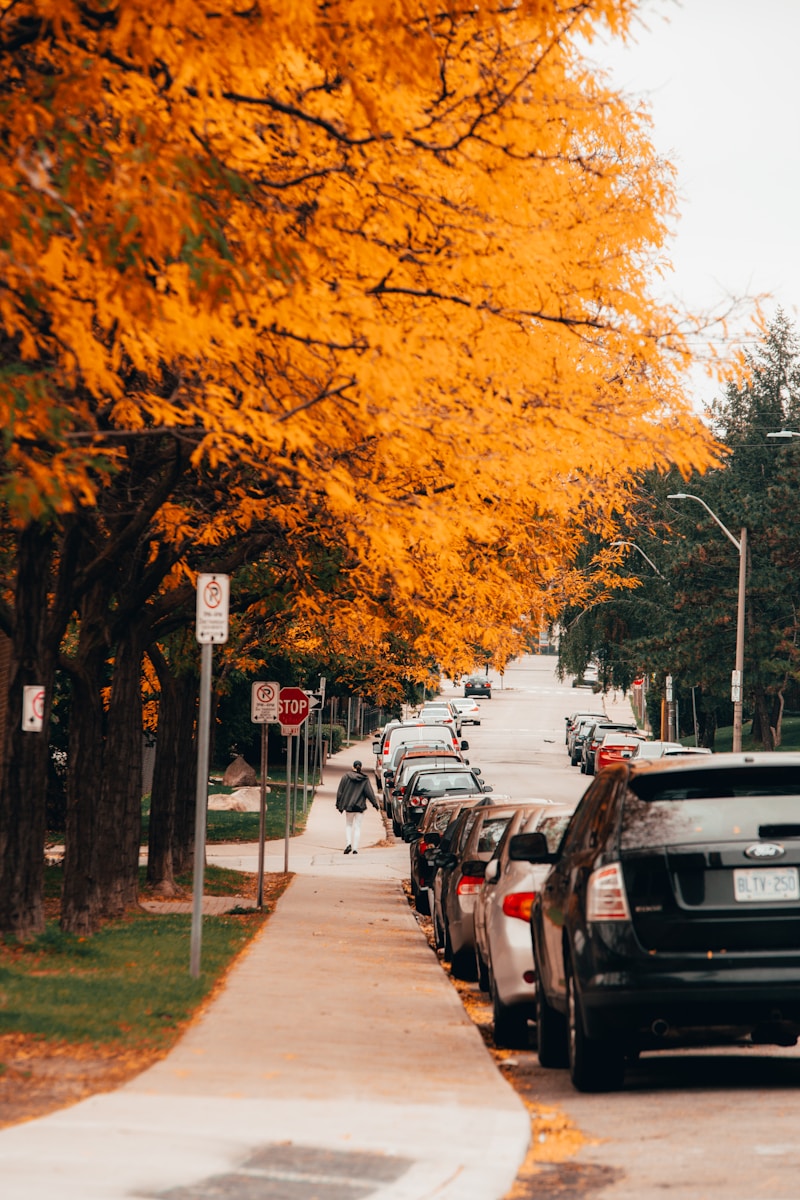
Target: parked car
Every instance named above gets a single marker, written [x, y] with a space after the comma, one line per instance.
[426, 841]
[615, 746]
[594, 737]
[427, 784]
[441, 712]
[671, 913]
[411, 760]
[577, 738]
[460, 877]
[407, 733]
[478, 685]
[470, 710]
[503, 952]
[672, 752]
[437, 743]
[575, 718]
[655, 748]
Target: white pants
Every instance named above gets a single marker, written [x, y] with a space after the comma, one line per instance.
[353, 827]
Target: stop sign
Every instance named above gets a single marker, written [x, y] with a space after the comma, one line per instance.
[293, 707]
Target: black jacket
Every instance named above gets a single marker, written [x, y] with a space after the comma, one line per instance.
[353, 792]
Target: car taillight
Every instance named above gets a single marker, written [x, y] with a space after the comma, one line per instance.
[423, 845]
[469, 885]
[518, 904]
[606, 899]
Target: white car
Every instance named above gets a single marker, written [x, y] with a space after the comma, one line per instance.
[503, 947]
[470, 710]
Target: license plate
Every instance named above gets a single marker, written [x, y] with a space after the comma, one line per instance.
[765, 884]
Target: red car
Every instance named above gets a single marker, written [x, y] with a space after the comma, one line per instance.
[615, 747]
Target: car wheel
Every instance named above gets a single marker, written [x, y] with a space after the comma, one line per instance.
[462, 963]
[510, 1024]
[421, 901]
[583, 767]
[396, 829]
[482, 971]
[438, 935]
[595, 1064]
[551, 1031]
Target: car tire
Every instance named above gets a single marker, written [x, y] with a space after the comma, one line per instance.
[510, 1024]
[551, 1032]
[482, 971]
[396, 829]
[462, 963]
[421, 899]
[583, 767]
[595, 1064]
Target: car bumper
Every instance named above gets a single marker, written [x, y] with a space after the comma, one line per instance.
[687, 997]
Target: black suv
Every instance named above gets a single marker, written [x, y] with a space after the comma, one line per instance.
[671, 914]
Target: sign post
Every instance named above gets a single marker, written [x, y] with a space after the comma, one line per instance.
[263, 710]
[32, 708]
[213, 593]
[293, 710]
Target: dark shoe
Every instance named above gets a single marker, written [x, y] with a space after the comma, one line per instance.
[348, 849]
[355, 852]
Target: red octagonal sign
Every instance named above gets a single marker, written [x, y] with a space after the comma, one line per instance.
[293, 706]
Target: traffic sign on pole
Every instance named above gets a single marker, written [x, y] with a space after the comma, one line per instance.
[213, 592]
[32, 708]
[264, 702]
[314, 700]
[293, 709]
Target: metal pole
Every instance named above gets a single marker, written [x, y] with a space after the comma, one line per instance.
[694, 718]
[737, 704]
[296, 780]
[201, 804]
[305, 766]
[288, 803]
[262, 816]
[349, 717]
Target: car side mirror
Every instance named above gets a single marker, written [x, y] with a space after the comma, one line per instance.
[475, 867]
[410, 833]
[376, 748]
[465, 744]
[487, 787]
[530, 847]
[433, 838]
[492, 873]
[476, 770]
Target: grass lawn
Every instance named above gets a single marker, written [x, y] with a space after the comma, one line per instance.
[790, 737]
[79, 1015]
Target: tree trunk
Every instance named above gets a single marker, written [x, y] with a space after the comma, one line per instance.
[172, 801]
[104, 783]
[81, 893]
[776, 718]
[761, 729]
[23, 765]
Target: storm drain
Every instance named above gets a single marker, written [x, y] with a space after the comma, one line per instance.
[296, 1173]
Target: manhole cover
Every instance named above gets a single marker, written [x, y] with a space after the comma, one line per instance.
[296, 1173]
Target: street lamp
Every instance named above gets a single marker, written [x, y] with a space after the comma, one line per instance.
[736, 678]
[633, 546]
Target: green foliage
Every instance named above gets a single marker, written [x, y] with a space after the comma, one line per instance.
[684, 624]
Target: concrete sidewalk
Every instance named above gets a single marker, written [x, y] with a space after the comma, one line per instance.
[336, 1063]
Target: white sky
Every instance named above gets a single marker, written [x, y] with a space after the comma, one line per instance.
[722, 81]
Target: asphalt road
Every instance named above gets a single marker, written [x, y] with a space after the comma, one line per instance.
[690, 1125]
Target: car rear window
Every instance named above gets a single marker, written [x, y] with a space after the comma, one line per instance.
[441, 782]
[703, 806]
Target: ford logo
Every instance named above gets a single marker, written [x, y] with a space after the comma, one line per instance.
[765, 850]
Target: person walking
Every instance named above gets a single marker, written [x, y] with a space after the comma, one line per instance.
[351, 798]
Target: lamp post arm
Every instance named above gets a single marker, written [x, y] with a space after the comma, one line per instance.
[644, 556]
[712, 514]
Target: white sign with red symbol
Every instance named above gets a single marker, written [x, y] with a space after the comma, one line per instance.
[213, 593]
[293, 709]
[33, 708]
[264, 699]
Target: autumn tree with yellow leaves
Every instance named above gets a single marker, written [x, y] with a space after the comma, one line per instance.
[379, 274]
